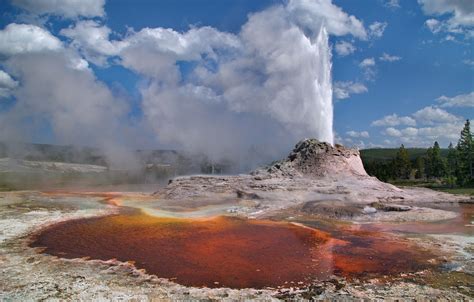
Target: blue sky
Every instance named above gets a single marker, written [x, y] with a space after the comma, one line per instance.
[403, 72]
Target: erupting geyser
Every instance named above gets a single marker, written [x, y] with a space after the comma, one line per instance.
[270, 87]
[323, 89]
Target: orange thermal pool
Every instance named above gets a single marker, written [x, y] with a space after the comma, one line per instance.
[230, 252]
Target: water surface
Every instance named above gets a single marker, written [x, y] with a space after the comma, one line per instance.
[232, 252]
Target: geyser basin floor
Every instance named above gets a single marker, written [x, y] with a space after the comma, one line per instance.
[231, 252]
[27, 275]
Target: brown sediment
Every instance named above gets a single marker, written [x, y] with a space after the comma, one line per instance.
[228, 251]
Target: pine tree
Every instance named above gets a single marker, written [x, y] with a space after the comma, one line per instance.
[429, 163]
[420, 167]
[401, 163]
[438, 165]
[451, 166]
[465, 149]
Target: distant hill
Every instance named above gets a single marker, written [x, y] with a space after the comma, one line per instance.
[387, 154]
[76, 154]
[153, 161]
[53, 153]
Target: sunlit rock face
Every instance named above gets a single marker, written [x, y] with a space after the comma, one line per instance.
[313, 158]
[314, 171]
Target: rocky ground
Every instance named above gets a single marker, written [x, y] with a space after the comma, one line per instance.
[28, 275]
[318, 174]
[316, 181]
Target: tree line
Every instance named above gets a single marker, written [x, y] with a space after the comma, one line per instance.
[455, 168]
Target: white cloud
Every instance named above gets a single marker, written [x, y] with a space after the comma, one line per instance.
[434, 25]
[388, 58]
[431, 115]
[7, 84]
[71, 102]
[273, 76]
[368, 62]
[64, 8]
[461, 100]
[259, 82]
[392, 132]
[154, 51]
[312, 14]
[469, 62]
[461, 16]
[410, 131]
[450, 38]
[462, 11]
[344, 48]
[343, 90]
[448, 132]
[377, 29]
[393, 3]
[444, 133]
[355, 134]
[437, 124]
[24, 38]
[394, 120]
[368, 66]
[92, 39]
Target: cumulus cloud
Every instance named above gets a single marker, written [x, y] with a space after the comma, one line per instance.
[7, 84]
[392, 3]
[343, 90]
[356, 134]
[344, 48]
[460, 12]
[444, 133]
[154, 51]
[434, 25]
[394, 120]
[437, 125]
[368, 62]
[64, 8]
[469, 62]
[392, 132]
[431, 115]
[368, 66]
[264, 83]
[23, 38]
[260, 89]
[312, 14]
[388, 58]
[276, 69]
[18, 39]
[377, 29]
[461, 100]
[92, 39]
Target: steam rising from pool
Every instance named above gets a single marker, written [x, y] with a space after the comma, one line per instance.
[247, 95]
[255, 95]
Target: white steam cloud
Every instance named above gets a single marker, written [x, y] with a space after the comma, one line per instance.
[249, 95]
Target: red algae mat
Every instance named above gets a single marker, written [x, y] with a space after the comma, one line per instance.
[231, 252]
